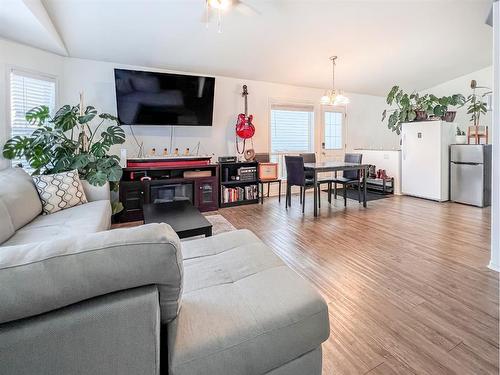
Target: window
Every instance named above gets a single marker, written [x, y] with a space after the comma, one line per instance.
[292, 132]
[26, 92]
[333, 130]
[292, 129]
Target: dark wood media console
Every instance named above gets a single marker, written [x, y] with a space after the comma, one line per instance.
[155, 184]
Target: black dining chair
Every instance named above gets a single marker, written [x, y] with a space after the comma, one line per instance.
[348, 178]
[295, 176]
[310, 157]
[265, 158]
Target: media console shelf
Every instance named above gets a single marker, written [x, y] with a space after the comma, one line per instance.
[238, 184]
[166, 182]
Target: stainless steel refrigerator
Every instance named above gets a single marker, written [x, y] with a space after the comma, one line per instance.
[470, 174]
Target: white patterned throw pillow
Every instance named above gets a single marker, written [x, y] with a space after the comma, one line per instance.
[59, 191]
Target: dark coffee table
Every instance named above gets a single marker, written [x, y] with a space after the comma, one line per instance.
[185, 219]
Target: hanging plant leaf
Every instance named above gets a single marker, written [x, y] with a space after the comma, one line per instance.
[89, 114]
[113, 135]
[99, 149]
[38, 115]
[115, 174]
[439, 110]
[80, 161]
[412, 115]
[96, 177]
[107, 116]
[38, 157]
[66, 118]
[15, 147]
[384, 115]
[116, 207]
[392, 94]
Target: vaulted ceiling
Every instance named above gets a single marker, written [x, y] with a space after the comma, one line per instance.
[414, 43]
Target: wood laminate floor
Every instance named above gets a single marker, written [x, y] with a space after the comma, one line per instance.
[405, 280]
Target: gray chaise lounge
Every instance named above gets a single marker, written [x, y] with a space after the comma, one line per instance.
[77, 298]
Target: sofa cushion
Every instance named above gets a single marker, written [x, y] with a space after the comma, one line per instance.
[59, 191]
[243, 310]
[6, 227]
[87, 218]
[19, 196]
[39, 277]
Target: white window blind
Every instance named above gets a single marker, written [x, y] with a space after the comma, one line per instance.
[26, 92]
[292, 129]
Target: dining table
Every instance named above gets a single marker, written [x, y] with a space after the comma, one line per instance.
[335, 166]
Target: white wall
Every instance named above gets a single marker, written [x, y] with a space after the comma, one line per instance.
[95, 78]
[27, 58]
[461, 85]
[495, 203]
[365, 127]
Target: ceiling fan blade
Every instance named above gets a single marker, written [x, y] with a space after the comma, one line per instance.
[245, 8]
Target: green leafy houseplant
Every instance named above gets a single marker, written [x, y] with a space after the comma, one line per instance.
[67, 141]
[476, 108]
[416, 107]
[441, 108]
[405, 111]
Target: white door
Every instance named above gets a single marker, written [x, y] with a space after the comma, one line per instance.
[332, 133]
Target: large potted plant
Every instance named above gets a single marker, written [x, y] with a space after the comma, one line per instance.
[416, 107]
[74, 138]
[476, 108]
[424, 106]
[442, 110]
[404, 111]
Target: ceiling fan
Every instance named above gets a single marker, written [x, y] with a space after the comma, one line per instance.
[218, 7]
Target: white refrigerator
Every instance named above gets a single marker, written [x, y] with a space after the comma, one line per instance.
[425, 158]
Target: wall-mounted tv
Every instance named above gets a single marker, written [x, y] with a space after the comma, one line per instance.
[151, 98]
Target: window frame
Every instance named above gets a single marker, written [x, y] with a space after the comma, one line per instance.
[30, 74]
[297, 105]
[343, 112]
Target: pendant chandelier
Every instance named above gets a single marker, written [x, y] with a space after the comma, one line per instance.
[333, 96]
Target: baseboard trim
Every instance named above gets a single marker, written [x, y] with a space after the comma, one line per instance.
[494, 267]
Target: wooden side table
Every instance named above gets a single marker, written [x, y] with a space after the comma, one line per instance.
[476, 133]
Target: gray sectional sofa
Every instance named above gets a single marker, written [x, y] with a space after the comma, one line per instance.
[78, 298]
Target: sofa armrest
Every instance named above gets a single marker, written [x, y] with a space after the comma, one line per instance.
[40, 277]
[96, 193]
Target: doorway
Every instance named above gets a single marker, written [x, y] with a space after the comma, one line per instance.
[333, 133]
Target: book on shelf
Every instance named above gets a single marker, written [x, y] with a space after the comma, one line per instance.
[238, 194]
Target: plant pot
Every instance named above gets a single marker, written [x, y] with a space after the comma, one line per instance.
[449, 116]
[421, 115]
[461, 139]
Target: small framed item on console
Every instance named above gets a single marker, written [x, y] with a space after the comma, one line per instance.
[268, 171]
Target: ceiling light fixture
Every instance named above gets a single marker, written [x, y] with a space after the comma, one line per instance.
[219, 6]
[333, 96]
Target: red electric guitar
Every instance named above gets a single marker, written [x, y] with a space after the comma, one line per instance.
[244, 126]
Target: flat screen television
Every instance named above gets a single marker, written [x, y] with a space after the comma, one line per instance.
[151, 98]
